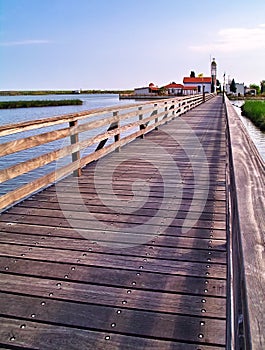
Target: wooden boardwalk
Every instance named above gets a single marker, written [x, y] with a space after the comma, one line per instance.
[67, 284]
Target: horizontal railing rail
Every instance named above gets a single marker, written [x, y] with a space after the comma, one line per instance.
[247, 224]
[95, 133]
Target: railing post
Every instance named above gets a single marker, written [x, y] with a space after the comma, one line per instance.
[117, 137]
[166, 109]
[203, 93]
[142, 127]
[156, 119]
[75, 155]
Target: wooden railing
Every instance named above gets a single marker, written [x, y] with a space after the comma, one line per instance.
[121, 125]
[247, 239]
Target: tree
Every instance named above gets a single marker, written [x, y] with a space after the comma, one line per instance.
[162, 91]
[233, 86]
[262, 86]
[192, 74]
[256, 87]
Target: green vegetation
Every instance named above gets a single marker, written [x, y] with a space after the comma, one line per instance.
[256, 87]
[62, 92]
[255, 111]
[38, 103]
[262, 87]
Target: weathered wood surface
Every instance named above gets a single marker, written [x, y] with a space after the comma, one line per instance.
[65, 286]
[248, 222]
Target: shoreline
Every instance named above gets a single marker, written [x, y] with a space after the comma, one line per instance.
[60, 92]
[38, 103]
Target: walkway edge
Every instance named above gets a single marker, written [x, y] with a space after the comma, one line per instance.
[247, 171]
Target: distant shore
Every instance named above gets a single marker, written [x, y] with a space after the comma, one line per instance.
[61, 92]
[39, 103]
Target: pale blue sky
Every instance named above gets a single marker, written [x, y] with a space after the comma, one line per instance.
[122, 44]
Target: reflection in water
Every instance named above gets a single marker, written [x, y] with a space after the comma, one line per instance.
[257, 136]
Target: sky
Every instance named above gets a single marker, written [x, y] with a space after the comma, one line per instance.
[122, 44]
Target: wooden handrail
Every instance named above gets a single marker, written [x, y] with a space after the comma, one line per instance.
[144, 117]
[247, 222]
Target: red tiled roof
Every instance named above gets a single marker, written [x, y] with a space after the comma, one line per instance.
[174, 86]
[153, 88]
[197, 80]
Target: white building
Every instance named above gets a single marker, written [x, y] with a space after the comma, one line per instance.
[174, 89]
[180, 90]
[190, 90]
[240, 89]
[199, 83]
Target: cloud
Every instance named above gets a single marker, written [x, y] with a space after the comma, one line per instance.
[234, 40]
[24, 42]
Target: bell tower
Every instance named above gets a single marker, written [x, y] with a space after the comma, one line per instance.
[213, 75]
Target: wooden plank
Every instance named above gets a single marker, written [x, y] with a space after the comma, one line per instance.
[183, 194]
[32, 141]
[110, 296]
[91, 223]
[131, 322]
[17, 227]
[145, 280]
[144, 250]
[88, 257]
[143, 213]
[50, 337]
[216, 210]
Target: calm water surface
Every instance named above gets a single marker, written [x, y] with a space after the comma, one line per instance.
[257, 136]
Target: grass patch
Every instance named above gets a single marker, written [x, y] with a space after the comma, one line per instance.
[39, 103]
[255, 111]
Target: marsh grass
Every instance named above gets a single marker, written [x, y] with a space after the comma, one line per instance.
[255, 111]
[38, 103]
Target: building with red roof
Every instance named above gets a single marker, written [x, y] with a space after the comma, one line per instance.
[191, 85]
[174, 89]
[198, 83]
[151, 89]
